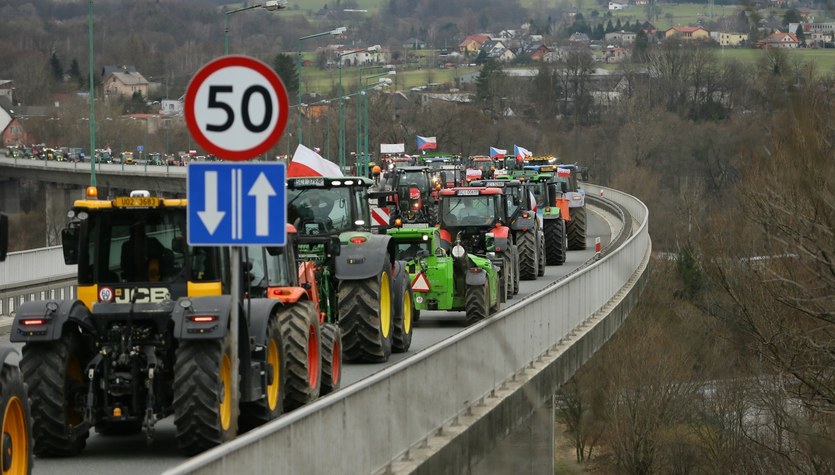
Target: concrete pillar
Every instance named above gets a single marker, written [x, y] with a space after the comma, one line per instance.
[528, 450]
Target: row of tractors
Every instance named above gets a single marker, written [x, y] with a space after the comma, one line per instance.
[148, 335]
[468, 239]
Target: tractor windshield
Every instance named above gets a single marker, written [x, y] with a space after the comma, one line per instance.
[417, 178]
[477, 210]
[137, 246]
[321, 211]
[540, 193]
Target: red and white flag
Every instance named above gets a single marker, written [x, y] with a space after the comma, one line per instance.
[306, 162]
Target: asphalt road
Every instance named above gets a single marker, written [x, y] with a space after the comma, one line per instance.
[130, 454]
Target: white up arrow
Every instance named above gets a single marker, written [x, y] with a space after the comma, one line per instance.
[211, 217]
[262, 191]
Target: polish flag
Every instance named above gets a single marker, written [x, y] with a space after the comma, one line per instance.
[533, 202]
[521, 153]
[306, 162]
[497, 152]
[426, 143]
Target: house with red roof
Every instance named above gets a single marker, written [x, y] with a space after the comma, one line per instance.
[473, 43]
[779, 39]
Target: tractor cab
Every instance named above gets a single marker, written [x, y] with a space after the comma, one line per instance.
[319, 206]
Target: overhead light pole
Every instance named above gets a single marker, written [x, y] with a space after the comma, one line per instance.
[270, 6]
[336, 31]
[341, 93]
[92, 105]
[363, 165]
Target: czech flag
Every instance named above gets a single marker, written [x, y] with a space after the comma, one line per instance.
[521, 153]
[497, 152]
[426, 143]
[306, 162]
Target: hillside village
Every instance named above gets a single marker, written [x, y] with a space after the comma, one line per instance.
[517, 51]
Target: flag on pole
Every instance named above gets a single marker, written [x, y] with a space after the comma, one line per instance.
[521, 153]
[533, 202]
[497, 152]
[306, 162]
[426, 143]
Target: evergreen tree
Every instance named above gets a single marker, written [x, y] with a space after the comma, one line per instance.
[609, 26]
[618, 25]
[285, 67]
[56, 68]
[599, 32]
[75, 72]
[641, 47]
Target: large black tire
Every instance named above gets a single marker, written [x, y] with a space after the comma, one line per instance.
[53, 372]
[502, 276]
[365, 318]
[540, 263]
[15, 421]
[331, 358]
[403, 311]
[432, 213]
[258, 413]
[555, 242]
[303, 352]
[507, 271]
[576, 229]
[203, 409]
[477, 304]
[515, 253]
[526, 246]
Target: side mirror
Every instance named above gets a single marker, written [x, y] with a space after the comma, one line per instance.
[273, 250]
[564, 187]
[4, 236]
[440, 252]
[69, 244]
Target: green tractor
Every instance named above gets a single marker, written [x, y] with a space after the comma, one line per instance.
[362, 287]
[523, 223]
[549, 210]
[458, 281]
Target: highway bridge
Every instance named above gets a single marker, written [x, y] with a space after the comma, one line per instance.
[447, 405]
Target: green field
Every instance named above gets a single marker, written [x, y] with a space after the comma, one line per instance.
[824, 59]
[326, 81]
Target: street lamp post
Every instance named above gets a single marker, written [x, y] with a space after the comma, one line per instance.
[270, 5]
[365, 156]
[336, 31]
[341, 115]
[92, 104]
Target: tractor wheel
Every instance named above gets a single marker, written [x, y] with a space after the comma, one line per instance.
[555, 242]
[16, 454]
[515, 252]
[403, 310]
[576, 229]
[365, 317]
[258, 413]
[54, 373]
[433, 214]
[303, 352]
[507, 271]
[527, 256]
[331, 358]
[476, 304]
[502, 276]
[203, 402]
[540, 267]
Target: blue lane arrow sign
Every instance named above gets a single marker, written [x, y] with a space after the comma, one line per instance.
[236, 204]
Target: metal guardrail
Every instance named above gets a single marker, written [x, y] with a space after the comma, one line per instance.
[368, 424]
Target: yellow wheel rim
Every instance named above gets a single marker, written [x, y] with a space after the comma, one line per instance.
[15, 455]
[273, 388]
[385, 305]
[226, 396]
[407, 312]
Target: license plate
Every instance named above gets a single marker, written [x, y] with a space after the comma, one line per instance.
[136, 202]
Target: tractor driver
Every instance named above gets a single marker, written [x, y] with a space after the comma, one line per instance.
[315, 213]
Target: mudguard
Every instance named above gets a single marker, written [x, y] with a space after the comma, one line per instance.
[476, 276]
[363, 261]
[218, 306]
[258, 312]
[68, 311]
[4, 353]
[524, 223]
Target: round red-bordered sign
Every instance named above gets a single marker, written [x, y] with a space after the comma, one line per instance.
[236, 107]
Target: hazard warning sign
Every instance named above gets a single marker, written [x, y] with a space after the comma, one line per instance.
[421, 283]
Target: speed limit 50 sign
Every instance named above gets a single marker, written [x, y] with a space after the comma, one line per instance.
[236, 107]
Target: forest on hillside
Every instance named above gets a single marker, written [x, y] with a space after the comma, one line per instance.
[728, 363]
